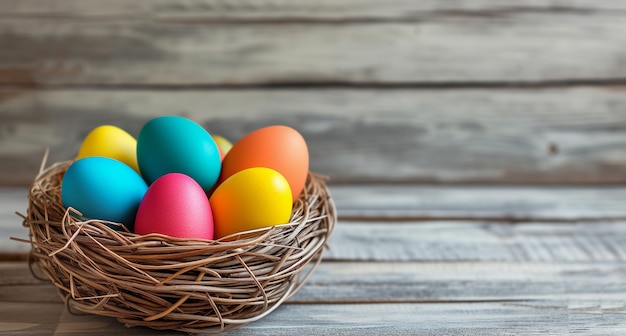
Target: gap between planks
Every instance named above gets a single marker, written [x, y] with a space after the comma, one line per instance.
[495, 219]
[287, 85]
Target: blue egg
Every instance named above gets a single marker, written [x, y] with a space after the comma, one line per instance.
[103, 188]
[172, 144]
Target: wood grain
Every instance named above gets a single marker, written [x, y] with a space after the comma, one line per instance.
[449, 281]
[472, 241]
[550, 317]
[18, 274]
[555, 135]
[16, 318]
[419, 202]
[517, 203]
[410, 282]
[554, 317]
[478, 241]
[12, 200]
[564, 47]
[254, 10]
[467, 240]
[573, 296]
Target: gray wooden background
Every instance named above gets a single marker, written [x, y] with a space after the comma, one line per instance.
[473, 91]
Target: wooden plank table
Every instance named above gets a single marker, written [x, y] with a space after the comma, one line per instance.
[476, 148]
[540, 260]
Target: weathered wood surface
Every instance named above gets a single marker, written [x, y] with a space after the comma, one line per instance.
[461, 241]
[12, 200]
[420, 202]
[548, 43]
[464, 91]
[469, 276]
[557, 297]
[602, 315]
[592, 218]
[244, 10]
[408, 282]
[527, 318]
[479, 241]
[547, 135]
[516, 203]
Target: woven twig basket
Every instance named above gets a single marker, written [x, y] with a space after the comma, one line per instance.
[177, 284]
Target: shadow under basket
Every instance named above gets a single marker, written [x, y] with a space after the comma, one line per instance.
[162, 282]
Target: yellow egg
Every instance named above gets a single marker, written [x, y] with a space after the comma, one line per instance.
[223, 144]
[112, 142]
[251, 199]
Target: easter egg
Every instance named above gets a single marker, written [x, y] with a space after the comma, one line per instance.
[251, 199]
[223, 144]
[177, 206]
[112, 142]
[103, 188]
[278, 147]
[172, 144]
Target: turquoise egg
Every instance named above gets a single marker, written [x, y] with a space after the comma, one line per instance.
[172, 144]
[103, 188]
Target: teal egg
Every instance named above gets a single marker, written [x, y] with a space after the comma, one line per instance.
[172, 144]
[103, 188]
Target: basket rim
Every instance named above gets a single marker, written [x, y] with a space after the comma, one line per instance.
[43, 172]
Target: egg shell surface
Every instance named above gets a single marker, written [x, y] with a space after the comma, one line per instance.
[278, 147]
[177, 206]
[173, 144]
[103, 188]
[112, 142]
[223, 144]
[251, 199]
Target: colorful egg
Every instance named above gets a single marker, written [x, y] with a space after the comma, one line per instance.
[251, 199]
[223, 144]
[112, 142]
[177, 206]
[173, 144]
[280, 148]
[103, 188]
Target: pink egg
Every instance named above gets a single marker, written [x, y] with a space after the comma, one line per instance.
[175, 205]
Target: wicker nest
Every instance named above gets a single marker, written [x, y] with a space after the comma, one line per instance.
[178, 284]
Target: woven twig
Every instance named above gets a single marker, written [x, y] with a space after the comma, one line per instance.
[167, 283]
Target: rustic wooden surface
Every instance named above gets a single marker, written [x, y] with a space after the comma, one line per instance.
[532, 263]
[427, 91]
[564, 135]
[476, 148]
[310, 43]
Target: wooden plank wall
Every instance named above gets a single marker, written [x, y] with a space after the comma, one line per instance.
[497, 91]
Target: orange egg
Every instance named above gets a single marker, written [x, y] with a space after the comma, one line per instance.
[278, 147]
